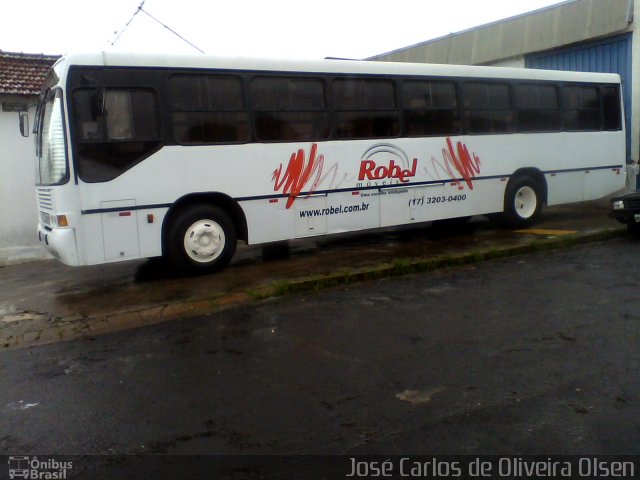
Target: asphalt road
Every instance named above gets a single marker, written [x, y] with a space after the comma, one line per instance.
[536, 354]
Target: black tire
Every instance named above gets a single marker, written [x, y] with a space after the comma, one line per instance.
[276, 251]
[522, 202]
[201, 238]
[633, 229]
[455, 222]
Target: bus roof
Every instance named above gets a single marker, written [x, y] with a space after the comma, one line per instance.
[328, 66]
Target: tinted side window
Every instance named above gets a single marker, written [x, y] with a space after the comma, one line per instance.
[365, 108]
[612, 112]
[115, 114]
[208, 109]
[581, 106]
[191, 93]
[115, 129]
[363, 94]
[430, 108]
[287, 94]
[487, 107]
[289, 109]
[537, 108]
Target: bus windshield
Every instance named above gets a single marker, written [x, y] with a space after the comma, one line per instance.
[50, 143]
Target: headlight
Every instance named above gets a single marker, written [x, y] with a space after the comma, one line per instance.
[62, 221]
[618, 205]
[59, 221]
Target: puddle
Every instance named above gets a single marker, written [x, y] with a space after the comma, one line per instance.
[417, 397]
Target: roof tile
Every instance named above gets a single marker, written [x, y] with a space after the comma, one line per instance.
[24, 73]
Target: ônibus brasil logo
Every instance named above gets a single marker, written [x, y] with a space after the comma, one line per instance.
[36, 469]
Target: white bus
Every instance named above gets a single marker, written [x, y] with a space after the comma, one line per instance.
[149, 155]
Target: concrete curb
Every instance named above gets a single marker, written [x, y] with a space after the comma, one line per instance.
[418, 265]
[24, 329]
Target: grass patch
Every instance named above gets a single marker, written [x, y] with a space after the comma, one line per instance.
[282, 287]
[405, 266]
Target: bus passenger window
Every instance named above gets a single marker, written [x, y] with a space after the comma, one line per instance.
[487, 108]
[537, 108]
[611, 108]
[208, 109]
[117, 128]
[430, 108]
[581, 108]
[289, 109]
[365, 108]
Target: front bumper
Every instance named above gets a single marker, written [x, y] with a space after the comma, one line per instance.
[61, 243]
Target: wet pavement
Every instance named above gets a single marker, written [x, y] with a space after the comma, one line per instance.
[42, 302]
[533, 354]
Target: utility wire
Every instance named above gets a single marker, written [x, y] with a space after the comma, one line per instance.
[171, 30]
[128, 23]
[141, 9]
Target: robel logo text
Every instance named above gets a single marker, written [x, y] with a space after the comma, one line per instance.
[371, 171]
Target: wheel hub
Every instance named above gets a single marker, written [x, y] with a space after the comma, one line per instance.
[525, 202]
[204, 241]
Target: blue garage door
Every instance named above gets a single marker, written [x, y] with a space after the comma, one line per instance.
[611, 55]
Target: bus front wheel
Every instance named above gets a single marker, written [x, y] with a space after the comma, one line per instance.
[522, 202]
[201, 239]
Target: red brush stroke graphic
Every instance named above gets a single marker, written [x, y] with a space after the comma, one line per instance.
[304, 173]
[460, 160]
[298, 173]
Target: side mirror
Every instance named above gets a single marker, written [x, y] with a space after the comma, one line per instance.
[24, 124]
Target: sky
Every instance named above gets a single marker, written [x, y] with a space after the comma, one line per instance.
[299, 29]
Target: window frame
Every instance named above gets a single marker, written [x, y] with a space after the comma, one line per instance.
[565, 110]
[258, 112]
[341, 114]
[104, 145]
[520, 110]
[619, 111]
[407, 109]
[206, 77]
[468, 108]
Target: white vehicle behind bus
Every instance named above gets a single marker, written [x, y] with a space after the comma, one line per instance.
[149, 155]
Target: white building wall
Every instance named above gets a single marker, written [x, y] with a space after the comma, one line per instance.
[18, 217]
[635, 84]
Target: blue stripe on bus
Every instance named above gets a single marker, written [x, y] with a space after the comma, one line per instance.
[125, 209]
[350, 189]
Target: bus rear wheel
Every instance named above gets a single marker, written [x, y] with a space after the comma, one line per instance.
[522, 202]
[201, 238]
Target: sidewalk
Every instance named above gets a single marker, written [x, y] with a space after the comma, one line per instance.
[45, 301]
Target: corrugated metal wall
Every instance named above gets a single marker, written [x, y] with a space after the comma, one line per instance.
[611, 55]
